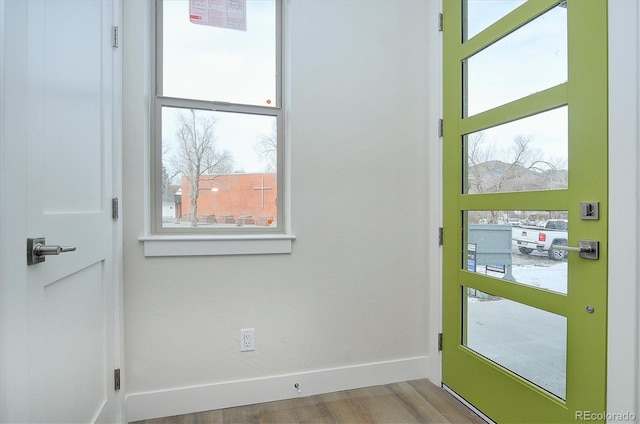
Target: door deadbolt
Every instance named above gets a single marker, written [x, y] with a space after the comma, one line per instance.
[590, 210]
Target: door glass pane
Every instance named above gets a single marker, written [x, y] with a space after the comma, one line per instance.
[218, 169]
[233, 60]
[482, 13]
[519, 246]
[528, 341]
[523, 155]
[531, 59]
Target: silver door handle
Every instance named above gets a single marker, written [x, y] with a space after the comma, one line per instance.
[588, 249]
[37, 250]
[582, 248]
[41, 249]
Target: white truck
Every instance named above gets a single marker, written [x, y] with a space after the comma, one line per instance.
[554, 232]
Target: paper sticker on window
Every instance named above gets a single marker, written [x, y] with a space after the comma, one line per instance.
[231, 14]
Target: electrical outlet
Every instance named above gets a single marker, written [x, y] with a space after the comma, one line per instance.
[247, 339]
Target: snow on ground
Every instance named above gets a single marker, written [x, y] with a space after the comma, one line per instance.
[523, 339]
[550, 277]
[545, 274]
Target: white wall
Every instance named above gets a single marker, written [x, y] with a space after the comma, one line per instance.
[350, 306]
[623, 379]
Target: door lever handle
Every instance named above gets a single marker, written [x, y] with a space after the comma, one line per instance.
[581, 248]
[41, 249]
[588, 249]
[37, 250]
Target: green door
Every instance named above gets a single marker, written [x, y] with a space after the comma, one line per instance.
[525, 171]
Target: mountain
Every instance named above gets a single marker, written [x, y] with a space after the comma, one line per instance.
[496, 177]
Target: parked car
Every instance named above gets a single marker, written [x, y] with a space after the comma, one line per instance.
[553, 234]
[514, 222]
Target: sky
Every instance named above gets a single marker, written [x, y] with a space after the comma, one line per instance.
[227, 65]
[482, 13]
[547, 132]
[531, 59]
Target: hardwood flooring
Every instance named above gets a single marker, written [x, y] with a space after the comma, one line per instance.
[417, 401]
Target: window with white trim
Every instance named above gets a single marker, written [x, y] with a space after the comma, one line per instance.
[217, 150]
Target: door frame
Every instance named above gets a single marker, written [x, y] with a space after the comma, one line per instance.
[623, 368]
[13, 297]
[14, 307]
[117, 237]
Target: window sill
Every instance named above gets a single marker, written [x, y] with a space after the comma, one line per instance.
[192, 245]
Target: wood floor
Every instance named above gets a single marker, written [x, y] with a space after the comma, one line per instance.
[417, 401]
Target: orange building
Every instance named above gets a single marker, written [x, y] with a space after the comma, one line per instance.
[233, 199]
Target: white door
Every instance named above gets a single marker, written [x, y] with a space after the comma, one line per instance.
[58, 329]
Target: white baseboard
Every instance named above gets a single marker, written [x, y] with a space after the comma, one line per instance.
[185, 400]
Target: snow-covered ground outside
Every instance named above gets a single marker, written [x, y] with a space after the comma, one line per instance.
[528, 341]
[537, 270]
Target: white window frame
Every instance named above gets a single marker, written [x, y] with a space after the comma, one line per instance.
[199, 241]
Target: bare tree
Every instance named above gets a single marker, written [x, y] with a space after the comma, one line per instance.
[478, 151]
[267, 148]
[166, 180]
[196, 154]
[519, 167]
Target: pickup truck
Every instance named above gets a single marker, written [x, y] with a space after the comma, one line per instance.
[528, 239]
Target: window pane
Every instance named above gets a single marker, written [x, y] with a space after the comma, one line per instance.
[523, 155]
[219, 169]
[220, 64]
[482, 13]
[519, 246]
[528, 341]
[531, 59]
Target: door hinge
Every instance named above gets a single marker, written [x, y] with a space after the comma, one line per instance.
[440, 236]
[440, 22]
[441, 128]
[439, 342]
[116, 379]
[114, 208]
[114, 37]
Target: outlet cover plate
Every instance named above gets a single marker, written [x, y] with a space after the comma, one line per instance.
[247, 339]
